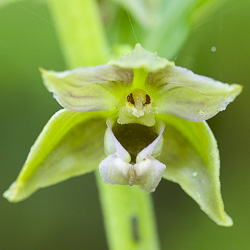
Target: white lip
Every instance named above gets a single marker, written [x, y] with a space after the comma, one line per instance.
[117, 169]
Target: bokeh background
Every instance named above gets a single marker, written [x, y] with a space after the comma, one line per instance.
[68, 215]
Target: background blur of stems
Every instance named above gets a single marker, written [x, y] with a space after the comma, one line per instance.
[54, 218]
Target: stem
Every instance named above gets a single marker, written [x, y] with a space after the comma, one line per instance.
[129, 217]
[128, 212]
[80, 32]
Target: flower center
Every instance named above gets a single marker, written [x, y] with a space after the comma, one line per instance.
[137, 107]
[138, 98]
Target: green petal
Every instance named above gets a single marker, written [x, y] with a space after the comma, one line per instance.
[180, 92]
[141, 58]
[89, 88]
[192, 159]
[70, 144]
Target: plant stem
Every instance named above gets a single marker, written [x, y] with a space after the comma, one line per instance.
[80, 32]
[129, 217]
[128, 212]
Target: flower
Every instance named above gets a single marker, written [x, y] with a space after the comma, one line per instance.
[152, 114]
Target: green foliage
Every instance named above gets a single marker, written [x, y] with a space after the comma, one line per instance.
[161, 25]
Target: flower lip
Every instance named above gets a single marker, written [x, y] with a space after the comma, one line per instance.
[134, 137]
[140, 168]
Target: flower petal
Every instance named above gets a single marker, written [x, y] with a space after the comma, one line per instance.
[89, 88]
[115, 168]
[192, 158]
[141, 58]
[118, 168]
[69, 145]
[149, 173]
[180, 92]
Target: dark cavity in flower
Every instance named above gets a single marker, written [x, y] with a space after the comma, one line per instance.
[134, 137]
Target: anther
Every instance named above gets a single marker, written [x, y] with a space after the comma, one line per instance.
[130, 99]
[147, 100]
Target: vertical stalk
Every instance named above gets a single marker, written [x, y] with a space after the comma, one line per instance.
[128, 212]
[129, 217]
[80, 32]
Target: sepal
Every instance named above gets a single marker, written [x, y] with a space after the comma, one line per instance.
[192, 156]
[69, 145]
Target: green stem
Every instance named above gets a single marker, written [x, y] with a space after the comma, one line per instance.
[129, 217]
[80, 32]
[128, 212]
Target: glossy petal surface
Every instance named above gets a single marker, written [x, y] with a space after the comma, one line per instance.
[70, 144]
[192, 158]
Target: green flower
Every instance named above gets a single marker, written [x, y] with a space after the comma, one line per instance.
[136, 105]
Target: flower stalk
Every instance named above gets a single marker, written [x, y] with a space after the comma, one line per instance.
[128, 212]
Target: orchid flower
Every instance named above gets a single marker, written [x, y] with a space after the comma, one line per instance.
[149, 113]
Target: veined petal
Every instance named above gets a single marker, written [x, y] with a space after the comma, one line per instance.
[192, 158]
[89, 88]
[69, 145]
[141, 58]
[180, 92]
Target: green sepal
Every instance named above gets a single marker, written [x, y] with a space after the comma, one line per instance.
[191, 156]
[141, 58]
[180, 92]
[70, 144]
[88, 89]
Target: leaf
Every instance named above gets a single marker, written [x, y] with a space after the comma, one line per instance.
[172, 30]
[192, 160]
[70, 144]
[206, 8]
[144, 11]
[177, 18]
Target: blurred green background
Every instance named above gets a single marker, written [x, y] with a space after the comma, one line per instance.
[68, 215]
